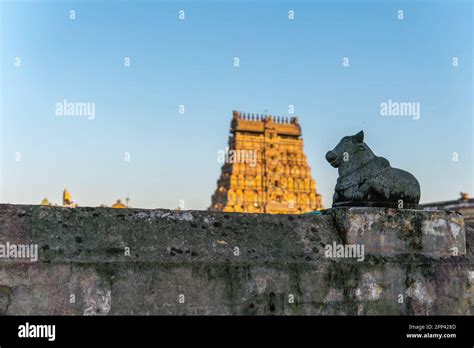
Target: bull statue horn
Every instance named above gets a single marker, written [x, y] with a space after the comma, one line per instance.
[359, 137]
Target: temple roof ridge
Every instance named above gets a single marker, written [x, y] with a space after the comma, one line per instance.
[264, 118]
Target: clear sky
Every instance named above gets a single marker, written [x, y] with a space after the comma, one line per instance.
[190, 62]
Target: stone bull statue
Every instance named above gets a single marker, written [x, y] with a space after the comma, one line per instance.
[368, 180]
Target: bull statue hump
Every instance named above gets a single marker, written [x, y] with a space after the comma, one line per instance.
[368, 180]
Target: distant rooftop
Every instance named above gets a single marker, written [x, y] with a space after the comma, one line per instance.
[464, 200]
[464, 205]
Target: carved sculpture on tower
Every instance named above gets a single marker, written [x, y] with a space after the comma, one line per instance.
[265, 169]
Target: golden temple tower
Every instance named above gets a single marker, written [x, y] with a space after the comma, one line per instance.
[45, 201]
[118, 204]
[67, 200]
[264, 168]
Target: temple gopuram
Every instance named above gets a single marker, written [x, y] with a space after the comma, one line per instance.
[265, 169]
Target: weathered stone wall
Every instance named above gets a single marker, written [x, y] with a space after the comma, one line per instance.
[196, 262]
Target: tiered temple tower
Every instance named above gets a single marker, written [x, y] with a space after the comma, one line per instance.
[265, 168]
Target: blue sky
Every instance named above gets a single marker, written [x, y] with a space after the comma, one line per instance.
[173, 156]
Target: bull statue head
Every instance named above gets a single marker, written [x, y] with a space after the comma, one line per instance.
[349, 153]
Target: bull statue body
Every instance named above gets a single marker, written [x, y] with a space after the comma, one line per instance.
[368, 180]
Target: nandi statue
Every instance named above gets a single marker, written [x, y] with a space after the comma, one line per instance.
[368, 180]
